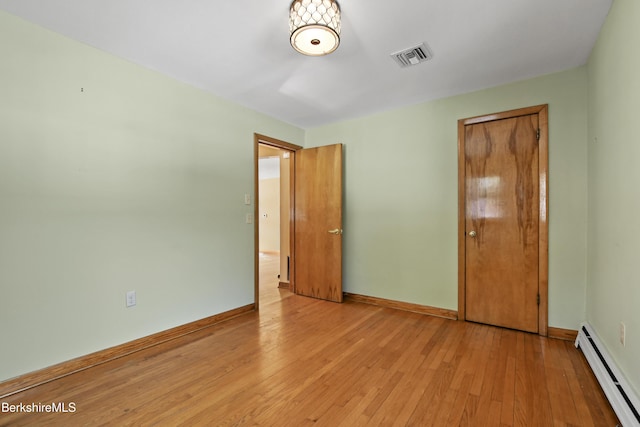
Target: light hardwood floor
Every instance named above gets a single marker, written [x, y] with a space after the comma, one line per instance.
[301, 361]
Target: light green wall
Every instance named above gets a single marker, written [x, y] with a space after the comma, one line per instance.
[135, 182]
[400, 219]
[613, 290]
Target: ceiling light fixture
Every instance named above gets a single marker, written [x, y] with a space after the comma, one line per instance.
[314, 26]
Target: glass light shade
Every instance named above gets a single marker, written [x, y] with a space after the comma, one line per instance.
[314, 26]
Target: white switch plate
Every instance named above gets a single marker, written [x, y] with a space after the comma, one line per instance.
[249, 218]
[247, 199]
[623, 333]
[131, 298]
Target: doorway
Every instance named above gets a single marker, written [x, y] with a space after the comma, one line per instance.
[503, 219]
[310, 218]
[273, 260]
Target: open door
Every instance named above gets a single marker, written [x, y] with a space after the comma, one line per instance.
[318, 222]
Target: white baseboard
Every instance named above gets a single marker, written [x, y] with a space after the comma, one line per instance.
[621, 396]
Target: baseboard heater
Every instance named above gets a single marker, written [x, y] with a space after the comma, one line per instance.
[619, 393]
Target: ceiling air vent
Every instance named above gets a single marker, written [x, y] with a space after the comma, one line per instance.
[412, 56]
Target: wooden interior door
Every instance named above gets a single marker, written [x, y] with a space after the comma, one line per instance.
[318, 222]
[502, 221]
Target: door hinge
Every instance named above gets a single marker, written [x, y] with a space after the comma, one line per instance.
[538, 299]
[538, 135]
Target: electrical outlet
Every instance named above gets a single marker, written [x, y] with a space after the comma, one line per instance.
[623, 332]
[131, 298]
[247, 199]
[248, 218]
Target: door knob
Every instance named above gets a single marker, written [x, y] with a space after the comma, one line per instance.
[472, 233]
[336, 231]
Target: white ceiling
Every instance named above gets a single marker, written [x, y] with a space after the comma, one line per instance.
[239, 49]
